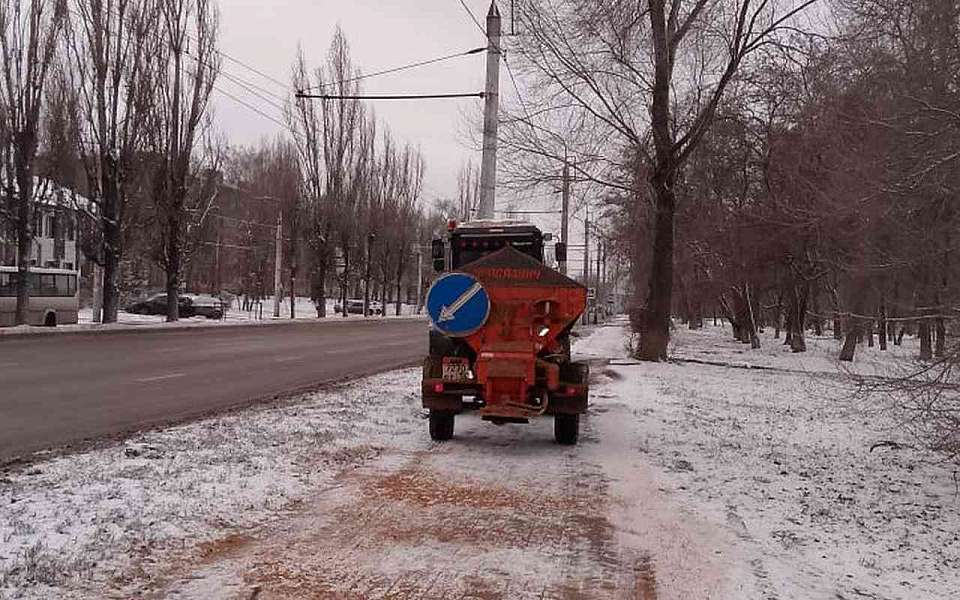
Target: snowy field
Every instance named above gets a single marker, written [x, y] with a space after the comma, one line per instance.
[691, 481]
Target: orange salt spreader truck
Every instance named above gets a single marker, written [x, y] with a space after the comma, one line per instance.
[500, 331]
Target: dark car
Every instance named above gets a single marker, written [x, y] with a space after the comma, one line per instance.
[210, 307]
[355, 307]
[157, 305]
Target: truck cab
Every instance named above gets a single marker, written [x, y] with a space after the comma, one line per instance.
[514, 365]
[471, 241]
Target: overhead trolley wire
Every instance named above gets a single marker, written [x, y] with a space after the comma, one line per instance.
[250, 87]
[390, 96]
[473, 18]
[394, 69]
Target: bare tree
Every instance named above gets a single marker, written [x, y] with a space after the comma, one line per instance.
[29, 44]
[110, 73]
[188, 64]
[468, 190]
[652, 74]
[304, 119]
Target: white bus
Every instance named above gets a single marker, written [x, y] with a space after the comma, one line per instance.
[53, 296]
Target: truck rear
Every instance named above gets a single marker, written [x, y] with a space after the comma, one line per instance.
[500, 332]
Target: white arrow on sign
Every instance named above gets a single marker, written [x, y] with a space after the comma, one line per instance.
[447, 313]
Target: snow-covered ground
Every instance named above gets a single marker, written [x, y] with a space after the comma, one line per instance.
[691, 481]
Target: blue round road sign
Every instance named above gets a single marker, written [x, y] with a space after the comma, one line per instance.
[458, 305]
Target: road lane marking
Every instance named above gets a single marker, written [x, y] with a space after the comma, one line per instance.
[161, 377]
[288, 359]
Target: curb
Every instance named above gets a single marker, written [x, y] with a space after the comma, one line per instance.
[125, 329]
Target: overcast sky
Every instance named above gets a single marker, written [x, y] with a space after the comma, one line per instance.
[264, 34]
[382, 33]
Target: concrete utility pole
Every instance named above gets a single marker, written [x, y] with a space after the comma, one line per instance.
[564, 214]
[596, 297]
[419, 279]
[586, 249]
[586, 264]
[97, 293]
[366, 281]
[491, 122]
[278, 259]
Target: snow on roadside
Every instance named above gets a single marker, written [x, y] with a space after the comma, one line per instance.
[88, 521]
[739, 483]
[305, 310]
[785, 459]
[715, 344]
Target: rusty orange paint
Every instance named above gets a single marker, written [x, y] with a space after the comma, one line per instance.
[530, 306]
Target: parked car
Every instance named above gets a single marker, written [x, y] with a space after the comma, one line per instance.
[355, 307]
[210, 307]
[157, 305]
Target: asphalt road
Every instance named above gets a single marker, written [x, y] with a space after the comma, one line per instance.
[57, 390]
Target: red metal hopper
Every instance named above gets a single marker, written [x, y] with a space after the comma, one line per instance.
[530, 306]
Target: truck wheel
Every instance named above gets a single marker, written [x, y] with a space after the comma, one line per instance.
[441, 425]
[566, 429]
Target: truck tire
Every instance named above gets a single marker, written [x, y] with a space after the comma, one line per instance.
[566, 429]
[441, 425]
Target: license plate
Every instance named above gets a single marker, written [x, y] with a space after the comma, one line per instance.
[456, 369]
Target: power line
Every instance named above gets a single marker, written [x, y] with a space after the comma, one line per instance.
[253, 91]
[248, 86]
[251, 69]
[389, 97]
[395, 69]
[189, 38]
[473, 18]
[257, 110]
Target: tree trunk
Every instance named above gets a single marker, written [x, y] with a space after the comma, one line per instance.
[345, 282]
[172, 265]
[656, 334]
[112, 252]
[97, 275]
[293, 291]
[882, 334]
[940, 349]
[754, 338]
[318, 291]
[923, 324]
[850, 342]
[797, 318]
[817, 320]
[110, 219]
[923, 332]
[24, 247]
[837, 329]
[400, 265]
[855, 333]
[940, 330]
